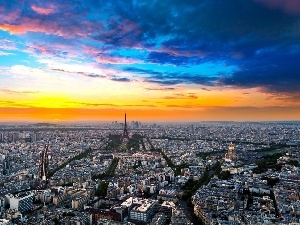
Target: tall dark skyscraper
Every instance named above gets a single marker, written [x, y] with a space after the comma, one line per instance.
[6, 164]
[43, 169]
[125, 136]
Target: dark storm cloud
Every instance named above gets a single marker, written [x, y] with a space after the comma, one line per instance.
[262, 42]
[273, 70]
[259, 37]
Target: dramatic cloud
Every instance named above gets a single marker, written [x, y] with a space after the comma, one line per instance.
[23, 18]
[158, 46]
[272, 70]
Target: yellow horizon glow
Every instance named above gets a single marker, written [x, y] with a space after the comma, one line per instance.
[134, 99]
[45, 94]
[172, 114]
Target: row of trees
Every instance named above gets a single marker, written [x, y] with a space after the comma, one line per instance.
[102, 189]
[176, 168]
[77, 157]
[115, 141]
[203, 155]
[268, 162]
[111, 170]
[192, 186]
[134, 142]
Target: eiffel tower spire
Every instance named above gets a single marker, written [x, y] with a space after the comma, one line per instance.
[125, 132]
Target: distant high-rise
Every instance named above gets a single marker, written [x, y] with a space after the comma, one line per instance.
[1, 137]
[38, 136]
[33, 137]
[6, 164]
[125, 136]
[12, 137]
[15, 136]
[134, 125]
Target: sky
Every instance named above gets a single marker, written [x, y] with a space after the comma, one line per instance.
[170, 60]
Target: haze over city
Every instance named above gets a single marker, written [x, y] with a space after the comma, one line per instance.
[156, 60]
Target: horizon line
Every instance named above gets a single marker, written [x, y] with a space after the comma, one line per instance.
[33, 122]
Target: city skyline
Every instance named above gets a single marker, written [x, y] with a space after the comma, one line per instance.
[159, 61]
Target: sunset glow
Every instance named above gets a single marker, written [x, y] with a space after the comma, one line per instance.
[155, 60]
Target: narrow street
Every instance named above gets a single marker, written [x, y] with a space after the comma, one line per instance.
[183, 206]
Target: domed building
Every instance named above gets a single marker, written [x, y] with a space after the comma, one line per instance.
[230, 155]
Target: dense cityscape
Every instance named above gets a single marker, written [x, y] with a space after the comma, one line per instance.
[138, 173]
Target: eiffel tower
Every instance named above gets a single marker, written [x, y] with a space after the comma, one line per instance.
[125, 136]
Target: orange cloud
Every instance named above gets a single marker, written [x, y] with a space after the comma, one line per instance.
[32, 25]
[28, 24]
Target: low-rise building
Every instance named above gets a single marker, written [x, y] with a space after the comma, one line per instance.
[144, 211]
